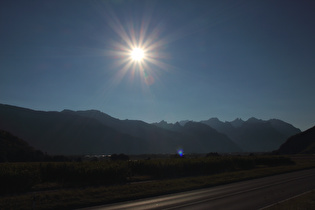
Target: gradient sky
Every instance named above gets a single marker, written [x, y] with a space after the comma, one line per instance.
[224, 59]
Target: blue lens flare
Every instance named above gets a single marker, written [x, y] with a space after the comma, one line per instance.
[180, 152]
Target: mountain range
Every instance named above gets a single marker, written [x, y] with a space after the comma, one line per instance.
[93, 132]
[255, 135]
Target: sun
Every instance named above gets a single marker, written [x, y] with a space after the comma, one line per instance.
[137, 54]
[138, 50]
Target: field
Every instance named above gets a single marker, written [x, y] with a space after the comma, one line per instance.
[79, 184]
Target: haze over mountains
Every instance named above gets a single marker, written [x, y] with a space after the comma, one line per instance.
[93, 132]
[255, 135]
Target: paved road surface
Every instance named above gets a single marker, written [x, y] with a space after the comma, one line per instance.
[252, 194]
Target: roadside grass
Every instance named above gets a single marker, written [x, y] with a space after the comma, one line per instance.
[305, 201]
[90, 196]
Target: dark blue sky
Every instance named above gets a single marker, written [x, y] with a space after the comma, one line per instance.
[224, 59]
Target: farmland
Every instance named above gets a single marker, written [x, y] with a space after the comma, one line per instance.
[79, 184]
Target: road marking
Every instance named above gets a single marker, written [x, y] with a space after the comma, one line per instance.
[237, 193]
[286, 200]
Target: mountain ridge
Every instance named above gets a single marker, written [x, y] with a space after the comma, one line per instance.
[95, 132]
[253, 135]
[62, 133]
[203, 134]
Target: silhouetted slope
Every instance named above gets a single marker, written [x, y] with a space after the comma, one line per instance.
[93, 132]
[13, 149]
[95, 114]
[283, 127]
[302, 143]
[202, 138]
[63, 133]
[208, 137]
[237, 123]
[165, 137]
[157, 140]
[255, 135]
[223, 127]
[258, 136]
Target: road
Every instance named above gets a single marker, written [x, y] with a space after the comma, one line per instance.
[252, 194]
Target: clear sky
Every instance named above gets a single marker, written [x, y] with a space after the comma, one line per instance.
[202, 59]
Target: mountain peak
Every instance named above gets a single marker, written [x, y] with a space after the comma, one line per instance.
[96, 132]
[183, 122]
[238, 122]
[163, 122]
[214, 120]
[66, 111]
[177, 124]
[254, 120]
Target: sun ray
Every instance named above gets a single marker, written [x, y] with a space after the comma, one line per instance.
[138, 52]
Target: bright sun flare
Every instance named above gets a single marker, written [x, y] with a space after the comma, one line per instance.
[137, 54]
